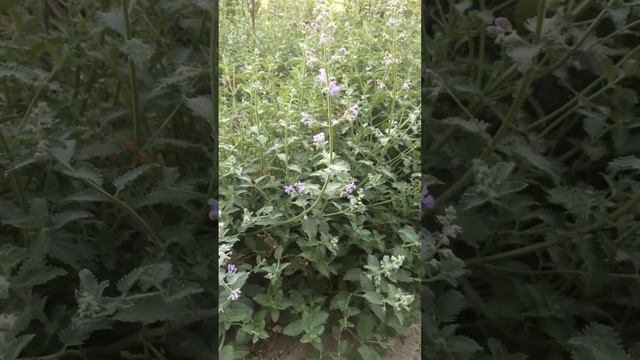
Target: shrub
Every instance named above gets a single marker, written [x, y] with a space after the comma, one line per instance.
[320, 119]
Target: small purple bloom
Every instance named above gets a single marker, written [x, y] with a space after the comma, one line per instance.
[300, 186]
[319, 139]
[334, 89]
[306, 118]
[231, 268]
[354, 110]
[428, 202]
[215, 208]
[323, 76]
[288, 189]
[350, 188]
[342, 51]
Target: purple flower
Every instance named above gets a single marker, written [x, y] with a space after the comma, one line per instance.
[231, 268]
[354, 110]
[288, 189]
[428, 202]
[342, 52]
[350, 188]
[300, 186]
[319, 139]
[334, 89]
[323, 76]
[306, 118]
[215, 209]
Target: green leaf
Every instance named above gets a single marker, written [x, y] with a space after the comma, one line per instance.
[294, 328]
[138, 51]
[597, 342]
[226, 353]
[88, 196]
[366, 324]
[474, 125]
[122, 181]
[310, 227]
[449, 305]
[278, 253]
[85, 172]
[374, 297]
[65, 154]
[535, 159]
[61, 219]
[523, 55]
[126, 282]
[113, 20]
[625, 163]
[368, 353]
[89, 283]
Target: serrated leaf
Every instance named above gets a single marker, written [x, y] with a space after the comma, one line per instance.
[61, 219]
[126, 282]
[183, 74]
[294, 328]
[310, 227]
[449, 305]
[85, 172]
[171, 196]
[137, 50]
[472, 125]
[598, 342]
[156, 274]
[534, 158]
[368, 353]
[523, 56]
[88, 196]
[113, 20]
[374, 297]
[122, 181]
[33, 276]
[65, 154]
[90, 285]
[625, 163]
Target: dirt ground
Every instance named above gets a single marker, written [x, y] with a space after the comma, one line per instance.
[281, 347]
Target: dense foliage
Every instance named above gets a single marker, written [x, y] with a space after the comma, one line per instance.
[106, 249]
[319, 174]
[532, 155]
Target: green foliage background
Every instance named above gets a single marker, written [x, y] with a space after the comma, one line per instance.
[532, 144]
[106, 249]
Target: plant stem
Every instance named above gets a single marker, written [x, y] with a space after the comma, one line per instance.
[506, 123]
[133, 81]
